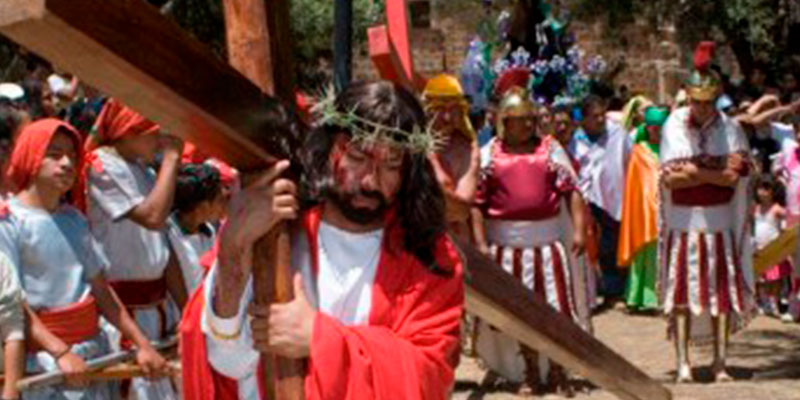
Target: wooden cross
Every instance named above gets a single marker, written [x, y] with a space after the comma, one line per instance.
[390, 48]
[257, 33]
[128, 50]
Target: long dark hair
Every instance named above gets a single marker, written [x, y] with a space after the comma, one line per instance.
[420, 202]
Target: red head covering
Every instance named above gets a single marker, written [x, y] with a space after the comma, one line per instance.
[117, 121]
[703, 55]
[228, 175]
[513, 77]
[31, 146]
[192, 154]
[114, 122]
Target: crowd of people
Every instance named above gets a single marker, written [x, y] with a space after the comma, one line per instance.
[654, 208]
[104, 218]
[115, 235]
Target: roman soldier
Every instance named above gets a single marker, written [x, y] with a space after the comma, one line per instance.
[706, 259]
[530, 221]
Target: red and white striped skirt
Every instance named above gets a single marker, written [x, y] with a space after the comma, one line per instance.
[702, 273]
[534, 253]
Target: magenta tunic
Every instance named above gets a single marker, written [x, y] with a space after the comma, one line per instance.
[525, 187]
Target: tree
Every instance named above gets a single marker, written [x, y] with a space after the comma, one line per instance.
[312, 30]
[758, 31]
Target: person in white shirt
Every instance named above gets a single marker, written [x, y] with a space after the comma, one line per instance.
[60, 266]
[12, 329]
[601, 147]
[128, 208]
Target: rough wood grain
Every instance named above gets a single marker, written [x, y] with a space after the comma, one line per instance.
[253, 44]
[498, 298]
[128, 50]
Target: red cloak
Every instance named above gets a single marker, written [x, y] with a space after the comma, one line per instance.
[408, 351]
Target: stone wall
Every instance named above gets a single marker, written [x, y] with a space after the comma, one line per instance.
[655, 65]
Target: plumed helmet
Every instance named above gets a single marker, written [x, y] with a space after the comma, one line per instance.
[516, 103]
[703, 83]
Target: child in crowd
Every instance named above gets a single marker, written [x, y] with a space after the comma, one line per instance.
[12, 329]
[128, 209]
[199, 203]
[787, 168]
[60, 266]
[769, 217]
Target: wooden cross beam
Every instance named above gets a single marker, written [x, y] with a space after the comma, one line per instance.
[257, 33]
[179, 83]
[130, 51]
[501, 300]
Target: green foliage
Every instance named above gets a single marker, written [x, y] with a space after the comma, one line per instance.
[204, 19]
[311, 28]
[312, 33]
[757, 30]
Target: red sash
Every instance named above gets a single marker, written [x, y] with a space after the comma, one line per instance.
[137, 295]
[75, 323]
[141, 294]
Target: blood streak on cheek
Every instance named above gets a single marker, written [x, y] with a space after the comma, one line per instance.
[339, 174]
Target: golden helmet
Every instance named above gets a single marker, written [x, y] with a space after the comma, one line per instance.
[443, 86]
[444, 90]
[516, 103]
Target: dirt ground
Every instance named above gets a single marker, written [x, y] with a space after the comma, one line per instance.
[764, 360]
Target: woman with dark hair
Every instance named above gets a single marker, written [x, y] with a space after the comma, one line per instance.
[378, 287]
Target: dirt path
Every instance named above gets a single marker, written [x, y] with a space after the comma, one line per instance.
[764, 359]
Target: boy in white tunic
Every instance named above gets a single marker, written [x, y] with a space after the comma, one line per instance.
[59, 265]
[128, 207]
[199, 202]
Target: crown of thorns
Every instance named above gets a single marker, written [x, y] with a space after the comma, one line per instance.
[421, 139]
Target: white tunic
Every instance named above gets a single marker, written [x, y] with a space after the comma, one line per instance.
[767, 228]
[700, 223]
[136, 253]
[54, 253]
[343, 290]
[189, 248]
[12, 319]
[56, 258]
[783, 134]
[601, 178]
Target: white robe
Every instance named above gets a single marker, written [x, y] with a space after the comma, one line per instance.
[603, 164]
[678, 143]
[135, 252]
[343, 290]
[55, 258]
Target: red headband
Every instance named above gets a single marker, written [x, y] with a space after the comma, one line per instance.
[31, 146]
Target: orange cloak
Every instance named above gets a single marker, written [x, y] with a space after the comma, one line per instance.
[639, 225]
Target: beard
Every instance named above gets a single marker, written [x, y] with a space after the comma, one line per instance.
[359, 215]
